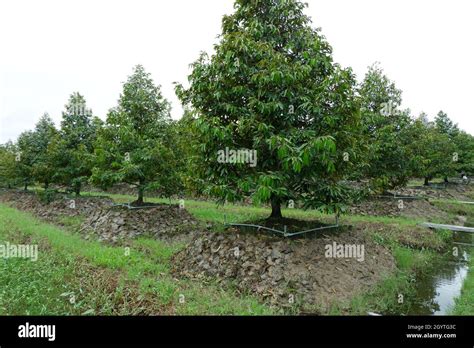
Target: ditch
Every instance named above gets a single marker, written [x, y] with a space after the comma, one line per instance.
[437, 289]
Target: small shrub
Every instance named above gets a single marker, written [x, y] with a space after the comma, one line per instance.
[46, 196]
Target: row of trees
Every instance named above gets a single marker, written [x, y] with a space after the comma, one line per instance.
[401, 146]
[136, 145]
[271, 86]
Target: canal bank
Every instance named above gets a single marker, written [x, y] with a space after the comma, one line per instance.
[464, 303]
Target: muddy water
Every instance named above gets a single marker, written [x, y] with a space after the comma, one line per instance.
[437, 289]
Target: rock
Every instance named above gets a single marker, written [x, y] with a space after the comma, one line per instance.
[276, 254]
[119, 221]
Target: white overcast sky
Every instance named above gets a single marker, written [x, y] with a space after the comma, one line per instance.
[51, 48]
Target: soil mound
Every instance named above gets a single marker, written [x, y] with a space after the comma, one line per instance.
[60, 207]
[452, 191]
[108, 223]
[419, 208]
[286, 272]
[165, 222]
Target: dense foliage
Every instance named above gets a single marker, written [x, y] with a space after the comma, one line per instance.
[135, 146]
[272, 87]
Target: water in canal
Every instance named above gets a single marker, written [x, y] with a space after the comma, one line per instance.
[437, 289]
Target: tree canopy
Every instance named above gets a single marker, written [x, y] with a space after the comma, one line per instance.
[75, 147]
[273, 87]
[135, 146]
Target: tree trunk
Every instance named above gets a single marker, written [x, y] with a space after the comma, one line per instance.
[446, 180]
[427, 182]
[276, 208]
[26, 186]
[77, 189]
[140, 194]
[46, 185]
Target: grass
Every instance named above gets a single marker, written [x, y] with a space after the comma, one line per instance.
[464, 304]
[455, 208]
[394, 294]
[384, 298]
[145, 275]
[421, 182]
[101, 279]
[410, 260]
[211, 212]
[73, 223]
[413, 254]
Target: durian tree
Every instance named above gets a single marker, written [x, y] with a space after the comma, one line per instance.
[271, 86]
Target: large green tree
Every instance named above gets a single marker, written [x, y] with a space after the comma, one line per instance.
[272, 87]
[446, 131]
[386, 131]
[44, 135]
[76, 145]
[431, 152]
[8, 166]
[135, 146]
[459, 141]
[25, 157]
[464, 147]
[445, 125]
[186, 138]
